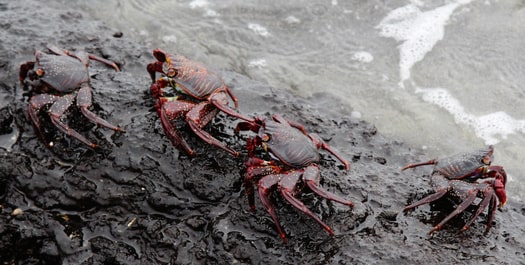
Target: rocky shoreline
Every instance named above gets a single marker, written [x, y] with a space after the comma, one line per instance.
[140, 201]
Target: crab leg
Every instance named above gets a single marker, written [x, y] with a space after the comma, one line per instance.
[201, 115]
[263, 187]
[430, 198]
[251, 144]
[312, 177]
[471, 196]
[153, 68]
[320, 143]
[56, 112]
[249, 176]
[170, 111]
[24, 69]
[440, 184]
[488, 195]
[84, 101]
[282, 120]
[83, 57]
[104, 61]
[247, 126]
[287, 188]
[430, 162]
[492, 212]
[233, 97]
[220, 101]
[256, 168]
[35, 104]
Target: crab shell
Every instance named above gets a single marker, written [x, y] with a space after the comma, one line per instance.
[62, 73]
[288, 144]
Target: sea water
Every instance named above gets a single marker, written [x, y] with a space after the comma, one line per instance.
[445, 76]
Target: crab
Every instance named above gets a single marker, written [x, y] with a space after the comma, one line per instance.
[200, 95]
[466, 176]
[60, 78]
[294, 157]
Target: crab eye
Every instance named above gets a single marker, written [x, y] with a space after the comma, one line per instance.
[486, 160]
[172, 72]
[265, 137]
[40, 72]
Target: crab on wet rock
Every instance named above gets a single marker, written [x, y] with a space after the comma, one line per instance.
[466, 176]
[200, 94]
[294, 158]
[60, 77]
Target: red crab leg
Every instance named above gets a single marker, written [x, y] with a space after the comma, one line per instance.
[488, 194]
[251, 144]
[84, 101]
[496, 172]
[220, 101]
[294, 124]
[56, 112]
[256, 167]
[249, 176]
[287, 186]
[233, 97]
[312, 176]
[104, 61]
[430, 198]
[35, 104]
[169, 111]
[471, 196]
[156, 88]
[492, 212]
[431, 162]
[83, 57]
[153, 68]
[320, 143]
[263, 187]
[24, 69]
[201, 115]
[247, 126]
[440, 184]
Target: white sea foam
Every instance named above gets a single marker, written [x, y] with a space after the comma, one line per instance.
[260, 30]
[417, 31]
[362, 56]
[204, 4]
[258, 63]
[211, 13]
[492, 127]
[169, 38]
[292, 20]
[199, 3]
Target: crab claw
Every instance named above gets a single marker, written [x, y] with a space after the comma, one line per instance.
[499, 188]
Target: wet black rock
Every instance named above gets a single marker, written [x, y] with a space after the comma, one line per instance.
[140, 201]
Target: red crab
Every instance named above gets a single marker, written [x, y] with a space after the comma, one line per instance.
[458, 176]
[294, 154]
[201, 94]
[61, 77]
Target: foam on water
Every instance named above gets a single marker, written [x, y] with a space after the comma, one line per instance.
[492, 127]
[417, 31]
[362, 56]
[258, 63]
[199, 3]
[258, 29]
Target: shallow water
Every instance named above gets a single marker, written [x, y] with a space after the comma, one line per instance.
[446, 76]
